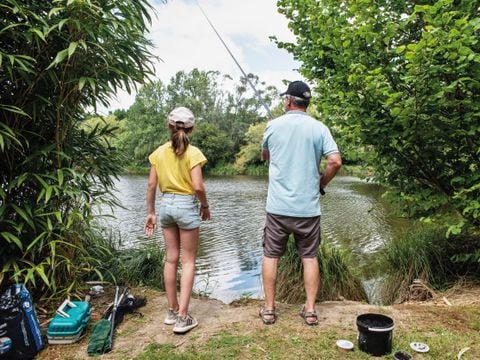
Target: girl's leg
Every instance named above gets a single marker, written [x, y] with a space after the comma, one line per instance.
[172, 246]
[189, 245]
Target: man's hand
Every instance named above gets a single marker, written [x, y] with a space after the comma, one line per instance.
[150, 225]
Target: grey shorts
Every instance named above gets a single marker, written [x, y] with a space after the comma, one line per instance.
[278, 228]
[179, 210]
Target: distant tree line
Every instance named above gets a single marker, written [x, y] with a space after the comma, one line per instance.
[225, 119]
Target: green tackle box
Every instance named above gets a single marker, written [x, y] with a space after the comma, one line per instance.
[69, 322]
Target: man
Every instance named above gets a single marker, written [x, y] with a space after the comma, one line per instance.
[294, 145]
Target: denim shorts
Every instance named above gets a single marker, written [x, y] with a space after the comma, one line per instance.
[179, 210]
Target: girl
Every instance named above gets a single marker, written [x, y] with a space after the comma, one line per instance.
[177, 171]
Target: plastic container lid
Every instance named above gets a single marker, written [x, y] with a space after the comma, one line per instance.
[345, 345]
[419, 347]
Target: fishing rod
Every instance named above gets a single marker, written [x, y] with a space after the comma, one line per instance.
[236, 62]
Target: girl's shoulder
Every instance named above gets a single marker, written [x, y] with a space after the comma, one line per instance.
[163, 147]
[193, 149]
[195, 154]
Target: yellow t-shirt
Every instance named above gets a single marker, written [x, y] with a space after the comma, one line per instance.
[174, 172]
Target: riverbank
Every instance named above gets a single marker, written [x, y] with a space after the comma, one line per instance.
[260, 171]
[449, 323]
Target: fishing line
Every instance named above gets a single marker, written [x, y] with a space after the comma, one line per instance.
[236, 62]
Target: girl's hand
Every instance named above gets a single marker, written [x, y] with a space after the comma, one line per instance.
[150, 224]
[204, 213]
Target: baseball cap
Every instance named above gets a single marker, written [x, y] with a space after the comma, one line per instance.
[181, 115]
[298, 89]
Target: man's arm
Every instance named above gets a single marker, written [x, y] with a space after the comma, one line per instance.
[334, 163]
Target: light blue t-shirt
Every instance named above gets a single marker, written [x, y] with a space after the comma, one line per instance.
[296, 143]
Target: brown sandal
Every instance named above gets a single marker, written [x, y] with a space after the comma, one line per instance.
[309, 314]
[268, 316]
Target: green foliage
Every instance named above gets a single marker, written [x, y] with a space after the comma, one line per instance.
[256, 170]
[223, 117]
[223, 169]
[251, 153]
[143, 266]
[337, 278]
[425, 253]
[135, 266]
[214, 143]
[59, 58]
[401, 80]
[144, 128]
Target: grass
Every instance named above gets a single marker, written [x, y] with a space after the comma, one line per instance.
[338, 279]
[134, 267]
[288, 339]
[144, 266]
[223, 170]
[422, 253]
[361, 171]
[256, 170]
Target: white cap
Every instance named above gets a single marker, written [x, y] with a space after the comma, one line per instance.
[181, 115]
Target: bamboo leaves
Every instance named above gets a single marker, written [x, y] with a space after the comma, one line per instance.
[59, 58]
[12, 239]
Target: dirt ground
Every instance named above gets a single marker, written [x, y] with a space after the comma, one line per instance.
[135, 332]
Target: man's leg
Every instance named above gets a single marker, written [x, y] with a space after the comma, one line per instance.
[274, 243]
[311, 279]
[269, 274]
[307, 237]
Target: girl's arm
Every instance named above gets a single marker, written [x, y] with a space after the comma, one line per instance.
[151, 221]
[199, 188]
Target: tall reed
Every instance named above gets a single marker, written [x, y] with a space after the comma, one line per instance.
[421, 253]
[134, 266]
[338, 279]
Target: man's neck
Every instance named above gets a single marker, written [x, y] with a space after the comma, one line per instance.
[297, 108]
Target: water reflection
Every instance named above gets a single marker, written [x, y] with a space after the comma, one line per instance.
[229, 258]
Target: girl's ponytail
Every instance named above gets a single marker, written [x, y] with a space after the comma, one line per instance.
[180, 122]
[179, 139]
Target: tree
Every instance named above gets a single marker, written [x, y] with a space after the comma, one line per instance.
[244, 108]
[250, 153]
[223, 117]
[144, 127]
[214, 143]
[58, 59]
[401, 78]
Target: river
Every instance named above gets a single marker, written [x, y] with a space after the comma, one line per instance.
[230, 252]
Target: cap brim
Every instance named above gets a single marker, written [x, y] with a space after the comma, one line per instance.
[284, 93]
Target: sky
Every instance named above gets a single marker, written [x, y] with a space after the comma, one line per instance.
[184, 40]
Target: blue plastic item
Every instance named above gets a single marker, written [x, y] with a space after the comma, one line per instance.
[68, 324]
[5, 344]
[19, 328]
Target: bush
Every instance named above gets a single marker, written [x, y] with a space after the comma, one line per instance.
[59, 59]
[425, 253]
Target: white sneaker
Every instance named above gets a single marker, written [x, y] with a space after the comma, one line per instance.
[184, 324]
[171, 317]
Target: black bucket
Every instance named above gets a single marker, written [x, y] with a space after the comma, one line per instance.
[375, 334]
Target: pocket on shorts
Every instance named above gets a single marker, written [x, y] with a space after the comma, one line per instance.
[166, 219]
[188, 217]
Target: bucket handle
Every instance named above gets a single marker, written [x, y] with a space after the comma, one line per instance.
[381, 329]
